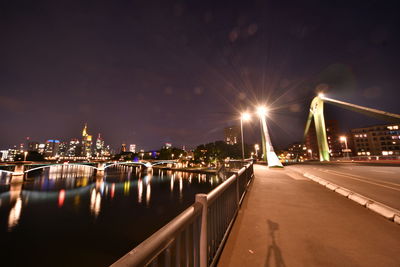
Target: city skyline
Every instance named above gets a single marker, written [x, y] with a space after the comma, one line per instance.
[148, 78]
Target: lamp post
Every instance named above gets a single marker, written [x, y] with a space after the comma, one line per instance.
[310, 151]
[256, 148]
[244, 117]
[25, 154]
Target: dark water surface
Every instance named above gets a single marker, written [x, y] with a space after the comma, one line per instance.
[71, 217]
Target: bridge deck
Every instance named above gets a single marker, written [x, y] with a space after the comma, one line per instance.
[286, 220]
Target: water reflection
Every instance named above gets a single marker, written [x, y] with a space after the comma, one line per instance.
[64, 187]
[15, 214]
[140, 190]
[95, 202]
[61, 198]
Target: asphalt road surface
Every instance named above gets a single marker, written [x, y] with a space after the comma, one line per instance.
[380, 183]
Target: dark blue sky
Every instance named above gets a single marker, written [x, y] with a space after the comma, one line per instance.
[150, 72]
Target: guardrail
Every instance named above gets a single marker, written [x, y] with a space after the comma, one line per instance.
[197, 235]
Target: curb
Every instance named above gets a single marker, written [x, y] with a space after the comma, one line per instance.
[375, 206]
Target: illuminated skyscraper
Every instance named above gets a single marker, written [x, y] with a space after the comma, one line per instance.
[74, 148]
[52, 148]
[100, 149]
[123, 148]
[132, 148]
[86, 143]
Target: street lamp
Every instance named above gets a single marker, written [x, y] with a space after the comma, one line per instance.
[256, 148]
[243, 117]
[25, 154]
[262, 111]
[344, 139]
[173, 156]
[310, 151]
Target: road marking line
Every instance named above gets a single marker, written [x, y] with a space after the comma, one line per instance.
[384, 171]
[366, 181]
[362, 177]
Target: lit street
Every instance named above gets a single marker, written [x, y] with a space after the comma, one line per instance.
[380, 183]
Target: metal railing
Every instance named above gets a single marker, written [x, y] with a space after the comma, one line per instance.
[197, 235]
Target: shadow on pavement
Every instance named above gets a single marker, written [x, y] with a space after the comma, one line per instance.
[274, 254]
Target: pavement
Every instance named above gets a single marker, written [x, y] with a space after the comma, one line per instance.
[288, 220]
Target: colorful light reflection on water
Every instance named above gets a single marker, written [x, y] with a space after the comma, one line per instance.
[75, 217]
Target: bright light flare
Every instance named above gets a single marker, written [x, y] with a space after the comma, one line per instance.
[343, 138]
[245, 116]
[321, 95]
[262, 111]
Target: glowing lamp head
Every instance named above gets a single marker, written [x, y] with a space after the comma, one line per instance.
[343, 138]
[321, 95]
[262, 111]
[245, 116]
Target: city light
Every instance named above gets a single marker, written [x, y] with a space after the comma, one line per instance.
[343, 138]
[245, 116]
[262, 111]
[321, 95]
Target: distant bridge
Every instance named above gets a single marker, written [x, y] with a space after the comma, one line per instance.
[20, 169]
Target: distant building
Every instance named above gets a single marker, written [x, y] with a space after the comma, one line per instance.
[74, 148]
[33, 146]
[132, 148]
[333, 136]
[379, 140]
[168, 145]
[86, 143]
[298, 151]
[100, 149]
[232, 135]
[4, 155]
[52, 148]
[63, 149]
[123, 148]
[41, 148]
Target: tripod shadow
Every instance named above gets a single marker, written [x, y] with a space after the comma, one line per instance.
[274, 254]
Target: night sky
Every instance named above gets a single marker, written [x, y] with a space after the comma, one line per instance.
[150, 72]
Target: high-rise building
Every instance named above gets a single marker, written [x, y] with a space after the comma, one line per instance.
[52, 148]
[123, 148]
[168, 145]
[378, 140]
[41, 148]
[232, 135]
[63, 149]
[4, 155]
[100, 149]
[33, 146]
[86, 143]
[132, 148]
[333, 136]
[74, 148]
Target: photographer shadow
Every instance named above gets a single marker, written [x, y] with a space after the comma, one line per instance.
[274, 254]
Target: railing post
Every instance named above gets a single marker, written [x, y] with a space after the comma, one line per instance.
[202, 199]
[237, 190]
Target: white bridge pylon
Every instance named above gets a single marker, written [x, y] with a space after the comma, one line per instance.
[272, 159]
